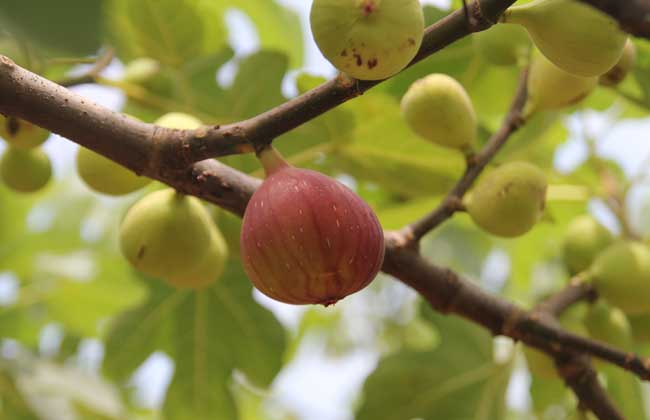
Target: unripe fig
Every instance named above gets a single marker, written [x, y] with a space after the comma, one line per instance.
[550, 87]
[509, 200]
[140, 70]
[25, 170]
[169, 236]
[640, 325]
[22, 134]
[179, 121]
[576, 37]
[438, 109]
[609, 325]
[539, 363]
[105, 176]
[306, 238]
[207, 271]
[621, 275]
[368, 39]
[619, 72]
[503, 45]
[585, 238]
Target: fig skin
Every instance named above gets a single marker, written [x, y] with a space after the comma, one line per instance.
[503, 45]
[105, 176]
[563, 30]
[25, 170]
[621, 275]
[585, 239]
[306, 238]
[609, 325]
[509, 200]
[619, 72]
[22, 134]
[368, 39]
[550, 87]
[179, 120]
[438, 109]
[169, 236]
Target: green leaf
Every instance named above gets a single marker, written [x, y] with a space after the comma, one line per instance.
[61, 27]
[208, 333]
[458, 380]
[170, 31]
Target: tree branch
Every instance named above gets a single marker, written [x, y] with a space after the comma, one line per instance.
[475, 165]
[632, 15]
[103, 61]
[577, 370]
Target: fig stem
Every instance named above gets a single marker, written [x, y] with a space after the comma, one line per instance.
[272, 160]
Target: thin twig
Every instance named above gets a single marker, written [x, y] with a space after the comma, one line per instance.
[103, 61]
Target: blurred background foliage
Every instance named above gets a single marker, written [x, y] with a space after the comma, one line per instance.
[86, 337]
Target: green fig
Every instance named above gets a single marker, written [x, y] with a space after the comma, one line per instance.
[438, 109]
[179, 121]
[550, 87]
[105, 176]
[170, 236]
[25, 170]
[576, 37]
[141, 70]
[22, 134]
[619, 72]
[640, 325]
[585, 238]
[509, 200]
[609, 325]
[621, 275]
[368, 39]
[207, 271]
[503, 45]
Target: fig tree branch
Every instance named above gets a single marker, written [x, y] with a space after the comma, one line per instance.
[633, 15]
[103, 61]
[577, 370]
[475, 165]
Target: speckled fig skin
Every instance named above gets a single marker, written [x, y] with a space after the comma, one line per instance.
[368, 39]
[308, 239]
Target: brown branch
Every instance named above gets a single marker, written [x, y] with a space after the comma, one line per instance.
[103, 61]
[475, 165]
[577, 370]
[633, 15]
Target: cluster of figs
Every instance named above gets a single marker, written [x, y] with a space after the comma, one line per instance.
[308, 239]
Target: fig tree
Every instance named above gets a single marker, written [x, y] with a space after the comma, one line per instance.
[169, 235]
[564, 31]
[550, 87]
[368, 39]
[621, 275]
[509, 200]
[105, 176]
[22, 134]
[438, 109]
[25, 170]
[306, 238]
[585, 238]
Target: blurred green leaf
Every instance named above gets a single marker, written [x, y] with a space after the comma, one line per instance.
[208, 333]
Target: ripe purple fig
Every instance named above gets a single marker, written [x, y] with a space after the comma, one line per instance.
[306, 238]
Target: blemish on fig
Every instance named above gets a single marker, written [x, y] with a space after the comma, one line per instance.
[411, 41]
[372, 63]
[141, 252]
[359, 59]
[344, 53]
[13, 126]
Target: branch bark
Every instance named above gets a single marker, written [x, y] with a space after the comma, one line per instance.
[632, 15]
